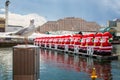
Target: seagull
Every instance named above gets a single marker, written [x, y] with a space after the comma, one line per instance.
[25, 32]
[28, 30]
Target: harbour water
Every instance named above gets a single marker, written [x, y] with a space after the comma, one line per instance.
[61, 66]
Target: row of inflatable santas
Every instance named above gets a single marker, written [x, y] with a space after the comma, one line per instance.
[100, 42]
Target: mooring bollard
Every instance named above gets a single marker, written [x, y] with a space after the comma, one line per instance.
[39, 44]
[76, 49]
[45, 45]
[66, 47]
[26, 62]
[90, 50]
[56, 46]
[50, 46]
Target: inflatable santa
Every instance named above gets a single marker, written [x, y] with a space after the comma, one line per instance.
[83, 46]
[90, 40]
[106, 46]
[97, 42]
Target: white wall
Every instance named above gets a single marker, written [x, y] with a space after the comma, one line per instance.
[11, 28]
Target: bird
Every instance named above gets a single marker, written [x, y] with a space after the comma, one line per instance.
[25, 32]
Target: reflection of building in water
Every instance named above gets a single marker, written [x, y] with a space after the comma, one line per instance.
[79, 64]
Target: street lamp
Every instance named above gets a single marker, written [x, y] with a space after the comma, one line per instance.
[6, 12]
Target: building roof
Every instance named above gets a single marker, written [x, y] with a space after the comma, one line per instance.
[14, 26]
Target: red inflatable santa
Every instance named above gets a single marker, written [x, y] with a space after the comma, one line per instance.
[83, 46]
[106, 47]
[97, 42]
[77, 40]
[90, 40]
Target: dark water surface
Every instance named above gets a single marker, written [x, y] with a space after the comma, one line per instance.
[62, 66]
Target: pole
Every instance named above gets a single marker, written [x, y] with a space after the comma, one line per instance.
[6, 13]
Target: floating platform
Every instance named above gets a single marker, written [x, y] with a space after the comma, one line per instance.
[116, 42]
[98, 57]
[90, 45]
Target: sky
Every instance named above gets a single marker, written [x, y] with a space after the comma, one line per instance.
[99, 11]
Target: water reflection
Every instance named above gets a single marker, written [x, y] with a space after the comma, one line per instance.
[5, 64]
[60, 66]
[79, 64]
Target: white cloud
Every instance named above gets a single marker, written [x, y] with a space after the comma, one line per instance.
[112, 4]
[2, 10]
[24, 20]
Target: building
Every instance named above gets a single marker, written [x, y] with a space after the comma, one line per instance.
[2, 25]
[69, 24]
[12, 28]
[115, 24]
[9, 28]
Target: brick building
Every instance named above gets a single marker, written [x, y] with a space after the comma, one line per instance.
[69, 24]
[2, 25]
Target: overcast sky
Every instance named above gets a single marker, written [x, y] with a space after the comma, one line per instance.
[99, 11]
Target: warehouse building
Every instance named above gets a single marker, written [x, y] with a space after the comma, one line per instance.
[70, 24]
